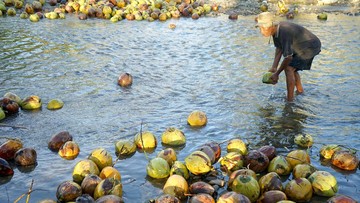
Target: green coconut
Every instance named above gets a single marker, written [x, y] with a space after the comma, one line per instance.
[34, 18]
[198, 163]
[299, 190]
[246, 185]
[231, 162]
[173, 137]
[303, 170]
[83, 168]
[279, 165]
[267, 78]
[322, 16]
[68, 191]
[101, 157]
[31, 102]
[9, 148]
[55, 104]
[298, 156]
[125, 147]
[169, 155]
[11, 11]
[24, 15]
[304, 140]
[2, 114]
[158, 168]
[13, 97]
[179, 168]
[145, 140]
[108, 186]
[177, 186]
[323, 183]
[237, 145]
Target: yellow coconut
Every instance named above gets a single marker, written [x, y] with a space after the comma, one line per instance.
[232, 161]
[70, 150]
[323, 183]
[34, 18]
[31, 102]
[279, 165]
[158, 168]
[237, 145]
[125, 147]
[108, 186]
[83, 168]
[304, 140]
[68, 191]
[327, 151]
[299, 190]
[270, 181]
[298, 156]
[246, 185]
[55, 104]
[169, 155]
[179, 168]
[232, 197]
[9, 148]
[197, 118]
[303, 170]
[173, 137]
[101, 157]
[125, 79]
[2, 114]
[267, 78]
[345, 160]
[110, 172]
[58, 140]
[198, 163]
[177, 186]
[145, 140]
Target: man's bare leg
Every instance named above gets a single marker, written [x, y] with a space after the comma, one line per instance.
[290, 82]
[299, 87]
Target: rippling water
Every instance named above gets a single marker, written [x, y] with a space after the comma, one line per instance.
[211, 64]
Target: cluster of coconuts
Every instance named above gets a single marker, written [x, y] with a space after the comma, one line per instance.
[11, 103]
[64, 145]
[12, 150]
[114, 10]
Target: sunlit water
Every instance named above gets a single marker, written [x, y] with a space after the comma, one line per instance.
[211, 64]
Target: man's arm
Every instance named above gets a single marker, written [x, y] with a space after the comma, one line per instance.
[276, 60]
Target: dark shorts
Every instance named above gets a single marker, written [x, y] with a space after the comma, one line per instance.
[300, 63]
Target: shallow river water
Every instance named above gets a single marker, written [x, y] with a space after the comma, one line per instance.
[212, 64]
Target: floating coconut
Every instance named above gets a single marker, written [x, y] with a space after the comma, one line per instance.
[246, 185]
[9, 106]
[177, 186]
[201, 187]
[233, 197]
[55, 104]
[101, 157]
[303, 170]
[169, 155]
[34, 18]
[269, 151]
[145, 140]
[202, 198]
[108, 186]
[244, 172]
[173, 137]
[179, 168]
[232, 161]
[25, 157]
[198, 163]
[345, 160]
[341, 199]
[70, 150]
[158, 168]
[257, 161]
[125, 148]
[58, 140]
[298, 157]
[5, 168]
[272, 196]
[279, 165]
[31, 102]
[237, 145]
[166, 198]
[68, 191]
[233, 16]
[208, 151]
[270, 181]
[304, 140]
[299, 190]
[89, 184]
[13, 96]
[125, 79]
[197, 118]
[110, 198]
[216, 148]
[322, 16]
[323, 183]
[2, 114]
[327, 151]
[9, 148]
[83, 168]
[110, 172]
[267, 78]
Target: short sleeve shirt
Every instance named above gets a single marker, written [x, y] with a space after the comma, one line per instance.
[295, 39]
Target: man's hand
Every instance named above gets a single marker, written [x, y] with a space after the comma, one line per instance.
[274, 78]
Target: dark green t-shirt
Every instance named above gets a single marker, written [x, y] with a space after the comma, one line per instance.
[295, 39]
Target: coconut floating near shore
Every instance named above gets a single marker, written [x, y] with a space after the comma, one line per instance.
[125, 80]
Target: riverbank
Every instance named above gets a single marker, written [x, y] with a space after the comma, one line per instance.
[252, 7]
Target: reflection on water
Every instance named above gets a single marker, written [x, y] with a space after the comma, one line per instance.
[211, 64]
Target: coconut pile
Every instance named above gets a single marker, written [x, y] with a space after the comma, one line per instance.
[228, 171]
